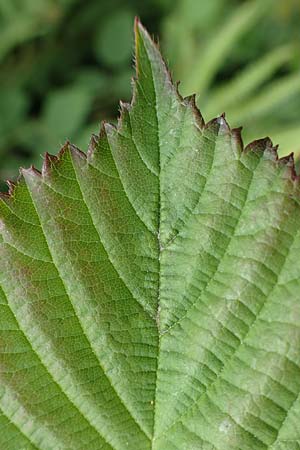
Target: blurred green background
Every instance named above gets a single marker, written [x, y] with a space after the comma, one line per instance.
[66, 63]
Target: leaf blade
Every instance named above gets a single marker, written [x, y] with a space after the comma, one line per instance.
[145, 281]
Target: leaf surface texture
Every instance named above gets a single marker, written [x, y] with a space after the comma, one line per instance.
[149, 291]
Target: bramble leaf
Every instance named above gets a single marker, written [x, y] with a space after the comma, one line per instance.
[150, 289]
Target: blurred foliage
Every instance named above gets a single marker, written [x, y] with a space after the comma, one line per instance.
[66, 63]
[242, 58]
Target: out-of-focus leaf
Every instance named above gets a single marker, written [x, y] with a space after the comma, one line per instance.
[66, 110]
[248, 71]
[113, 40]
[186, 31]
[269, 99]
[83, 138]
[93, 81]
[208, 62]
[247, 81]
[13, 106]
[121, 84]
[24, 20]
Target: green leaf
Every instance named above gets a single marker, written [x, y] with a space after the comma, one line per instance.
[150, 289]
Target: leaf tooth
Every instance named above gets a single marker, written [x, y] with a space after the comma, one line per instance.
[6, 196]
[109, 128]
[289, 162]
[288, 159]
[47, 163]
[123, 118]
[267, 147]
[79, 158]
[93, 144]
[51, 161]
[218, 125]
[260, 146]
[190, 101]
[31, 172]
[97, 143]
[11, 186]
[124, 106]
[237, 138]
[177, 84]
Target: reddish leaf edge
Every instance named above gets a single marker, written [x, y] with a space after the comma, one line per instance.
[263, 145]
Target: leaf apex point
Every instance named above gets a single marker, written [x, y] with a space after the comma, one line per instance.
[137, 21]
[137, 31]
